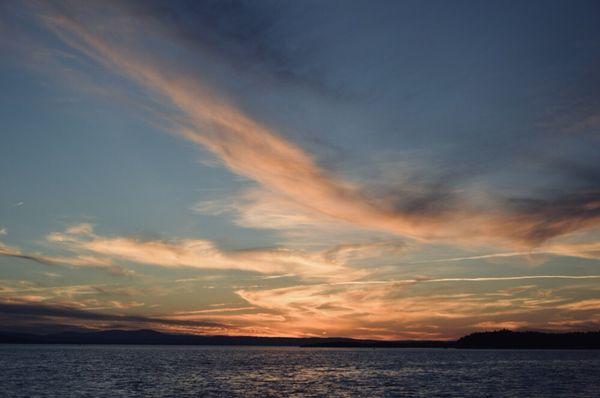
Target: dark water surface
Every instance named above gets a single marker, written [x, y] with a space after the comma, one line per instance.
[177, 371]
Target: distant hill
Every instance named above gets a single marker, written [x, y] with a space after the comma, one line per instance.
[515, 340]
[497, 340]
[151, 337]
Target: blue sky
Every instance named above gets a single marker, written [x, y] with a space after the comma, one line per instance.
[367, 169]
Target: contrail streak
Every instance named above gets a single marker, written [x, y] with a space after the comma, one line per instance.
[480, 279]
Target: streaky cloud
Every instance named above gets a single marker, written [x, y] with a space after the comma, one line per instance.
[580, 250]
[252, 149]
[73, 261]
[28, 312]
[197, 253]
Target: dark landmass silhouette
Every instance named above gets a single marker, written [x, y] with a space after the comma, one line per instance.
[503, 339]
[530, 340]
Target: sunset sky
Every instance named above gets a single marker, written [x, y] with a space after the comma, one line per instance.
[369, 169]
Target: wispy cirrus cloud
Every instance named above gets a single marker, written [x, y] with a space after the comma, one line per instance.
[252, 149]
[198, 253]
[587, 250]
[73, 261]
[85, 248]
[392, 310]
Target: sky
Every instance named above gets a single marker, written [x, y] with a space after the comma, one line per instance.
[368, 169]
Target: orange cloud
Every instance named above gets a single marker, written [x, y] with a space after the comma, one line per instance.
[198, 253]
[252, 149]
[81, 260]
[391, 312]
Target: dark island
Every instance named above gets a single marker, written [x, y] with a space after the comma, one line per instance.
[503, 339]
[506, 339]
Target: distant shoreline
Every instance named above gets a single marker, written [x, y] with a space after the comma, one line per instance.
[503, 339]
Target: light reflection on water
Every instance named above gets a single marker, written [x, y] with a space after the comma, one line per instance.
[188, 371]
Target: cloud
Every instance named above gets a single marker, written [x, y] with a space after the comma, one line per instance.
[537, 220]
[110, 253]
[199, 253]
[583, 305]
[254, 150]
[31, 313]
[587, 250]
[509, 278]
[252, 37]
[74, 261]
[511, 325]
[80, 229]
[396, 310]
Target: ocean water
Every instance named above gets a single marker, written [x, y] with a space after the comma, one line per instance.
[178, 371]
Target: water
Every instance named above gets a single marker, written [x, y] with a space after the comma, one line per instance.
[177, 371]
